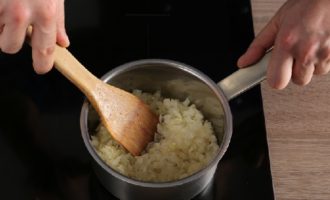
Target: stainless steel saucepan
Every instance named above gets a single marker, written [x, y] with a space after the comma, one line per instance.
[180, 81]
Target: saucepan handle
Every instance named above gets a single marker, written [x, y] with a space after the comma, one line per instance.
[246, 78]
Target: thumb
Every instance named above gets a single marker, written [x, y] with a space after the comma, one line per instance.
[264, 40]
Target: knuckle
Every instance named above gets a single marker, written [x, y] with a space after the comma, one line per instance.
[19, 18]
[48, 12]
[287, 41]
[45, 52]
[307, 56]
[19, 14]
[306, 62]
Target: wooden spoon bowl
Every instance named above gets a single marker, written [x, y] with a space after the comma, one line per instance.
[127, 118]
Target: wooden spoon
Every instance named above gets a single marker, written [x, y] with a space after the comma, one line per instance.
[126, 117]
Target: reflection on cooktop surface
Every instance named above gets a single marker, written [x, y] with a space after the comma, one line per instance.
[42, 154]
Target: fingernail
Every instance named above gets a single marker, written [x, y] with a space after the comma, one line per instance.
[63, 39]
[67, 41]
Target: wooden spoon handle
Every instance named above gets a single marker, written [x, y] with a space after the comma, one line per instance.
[72, 69]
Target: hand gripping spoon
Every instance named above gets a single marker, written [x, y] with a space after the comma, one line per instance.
[129, 121]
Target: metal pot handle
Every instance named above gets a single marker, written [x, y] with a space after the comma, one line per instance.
[246, 78]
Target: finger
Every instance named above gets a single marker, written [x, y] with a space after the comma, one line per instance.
[323, 64]
[264, 40]
[302, 74]
[61, 36]
[279, 70]
[13, 33]
[305, 53]
[322, 68]
[43, 45]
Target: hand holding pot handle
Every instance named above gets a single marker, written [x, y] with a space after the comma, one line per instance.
[245, 78]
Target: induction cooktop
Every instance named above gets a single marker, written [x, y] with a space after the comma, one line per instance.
[42, 153]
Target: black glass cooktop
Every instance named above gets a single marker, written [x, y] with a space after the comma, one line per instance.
[42, 154]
